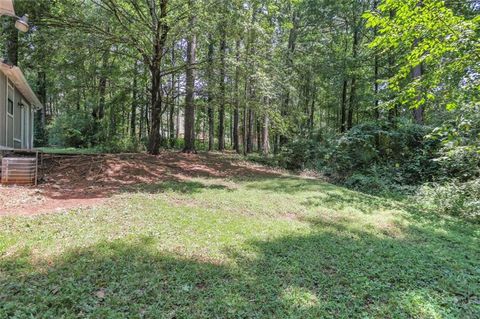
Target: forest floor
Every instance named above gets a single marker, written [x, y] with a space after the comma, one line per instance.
[210, 236]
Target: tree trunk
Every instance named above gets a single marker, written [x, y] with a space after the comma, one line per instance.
[99, 112]
[171, 114]
[41, 113]
[160, 30]
[312, 115]
[11, 49]
[221, 111]
[190, 87]
[376, 70]
[418, 112]
[259, 135]
[244, 132]
[292, 41]
[343, 124]
[352, 103]
[251, 120]
[417, 73]
[376, 87]
[210, 110]
[133, 115]
[236, 144]
[154, 139]
[140, 125]
[353, 87]
[265, 135]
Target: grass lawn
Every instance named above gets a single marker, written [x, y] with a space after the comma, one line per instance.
[69, 150]
[265, 247]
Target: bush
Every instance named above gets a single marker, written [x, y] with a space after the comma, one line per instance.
[403, 151]
[370, 156]
[453, 198]
[459, 155]
[121, 145]
[71, 129]
[304, 153]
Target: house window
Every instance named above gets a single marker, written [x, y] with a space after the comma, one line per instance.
[10, 107]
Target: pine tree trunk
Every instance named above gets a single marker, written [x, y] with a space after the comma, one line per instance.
[259, 135]
[353, 86]
[210, 110]
[236, 143]
[244, 131]
[251, 119]
[292, 41]
[311, 123]
[265, 135]
[133, 111]
[171, 114]
[221, 111]
[190, 88]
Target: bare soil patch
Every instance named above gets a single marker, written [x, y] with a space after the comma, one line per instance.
[73, 181]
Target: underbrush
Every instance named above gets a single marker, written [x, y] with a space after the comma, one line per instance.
[438, 167]
[456, 198]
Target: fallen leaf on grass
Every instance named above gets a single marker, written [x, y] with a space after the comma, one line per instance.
[100, 293]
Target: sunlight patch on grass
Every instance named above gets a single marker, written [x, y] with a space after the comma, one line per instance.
[299, 297]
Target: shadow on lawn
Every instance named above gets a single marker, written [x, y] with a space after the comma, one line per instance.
[329, 273]
[177, 186]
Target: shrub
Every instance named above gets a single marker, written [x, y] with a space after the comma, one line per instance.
[453, 198]
[121, 145]
[304, 153]
[403, 148]
[71, 129]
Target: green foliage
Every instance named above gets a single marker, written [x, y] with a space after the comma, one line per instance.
[454, 198]
[40, 136]
[439, 166]
[303, 153]
[121, 145]
[459, 155]
[72, 129]
[431, 34]
[376, 157]
[403, 152]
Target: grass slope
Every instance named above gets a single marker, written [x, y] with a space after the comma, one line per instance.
[265, 247]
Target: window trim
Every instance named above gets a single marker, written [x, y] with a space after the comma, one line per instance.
[8, 107]
[8, 87]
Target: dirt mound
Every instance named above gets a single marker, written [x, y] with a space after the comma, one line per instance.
[70, 181]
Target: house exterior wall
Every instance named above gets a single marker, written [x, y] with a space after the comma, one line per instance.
[15, 129]
[17, 120]
[3, 110]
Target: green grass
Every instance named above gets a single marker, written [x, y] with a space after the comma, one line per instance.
[69, 150]
[281, 247]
